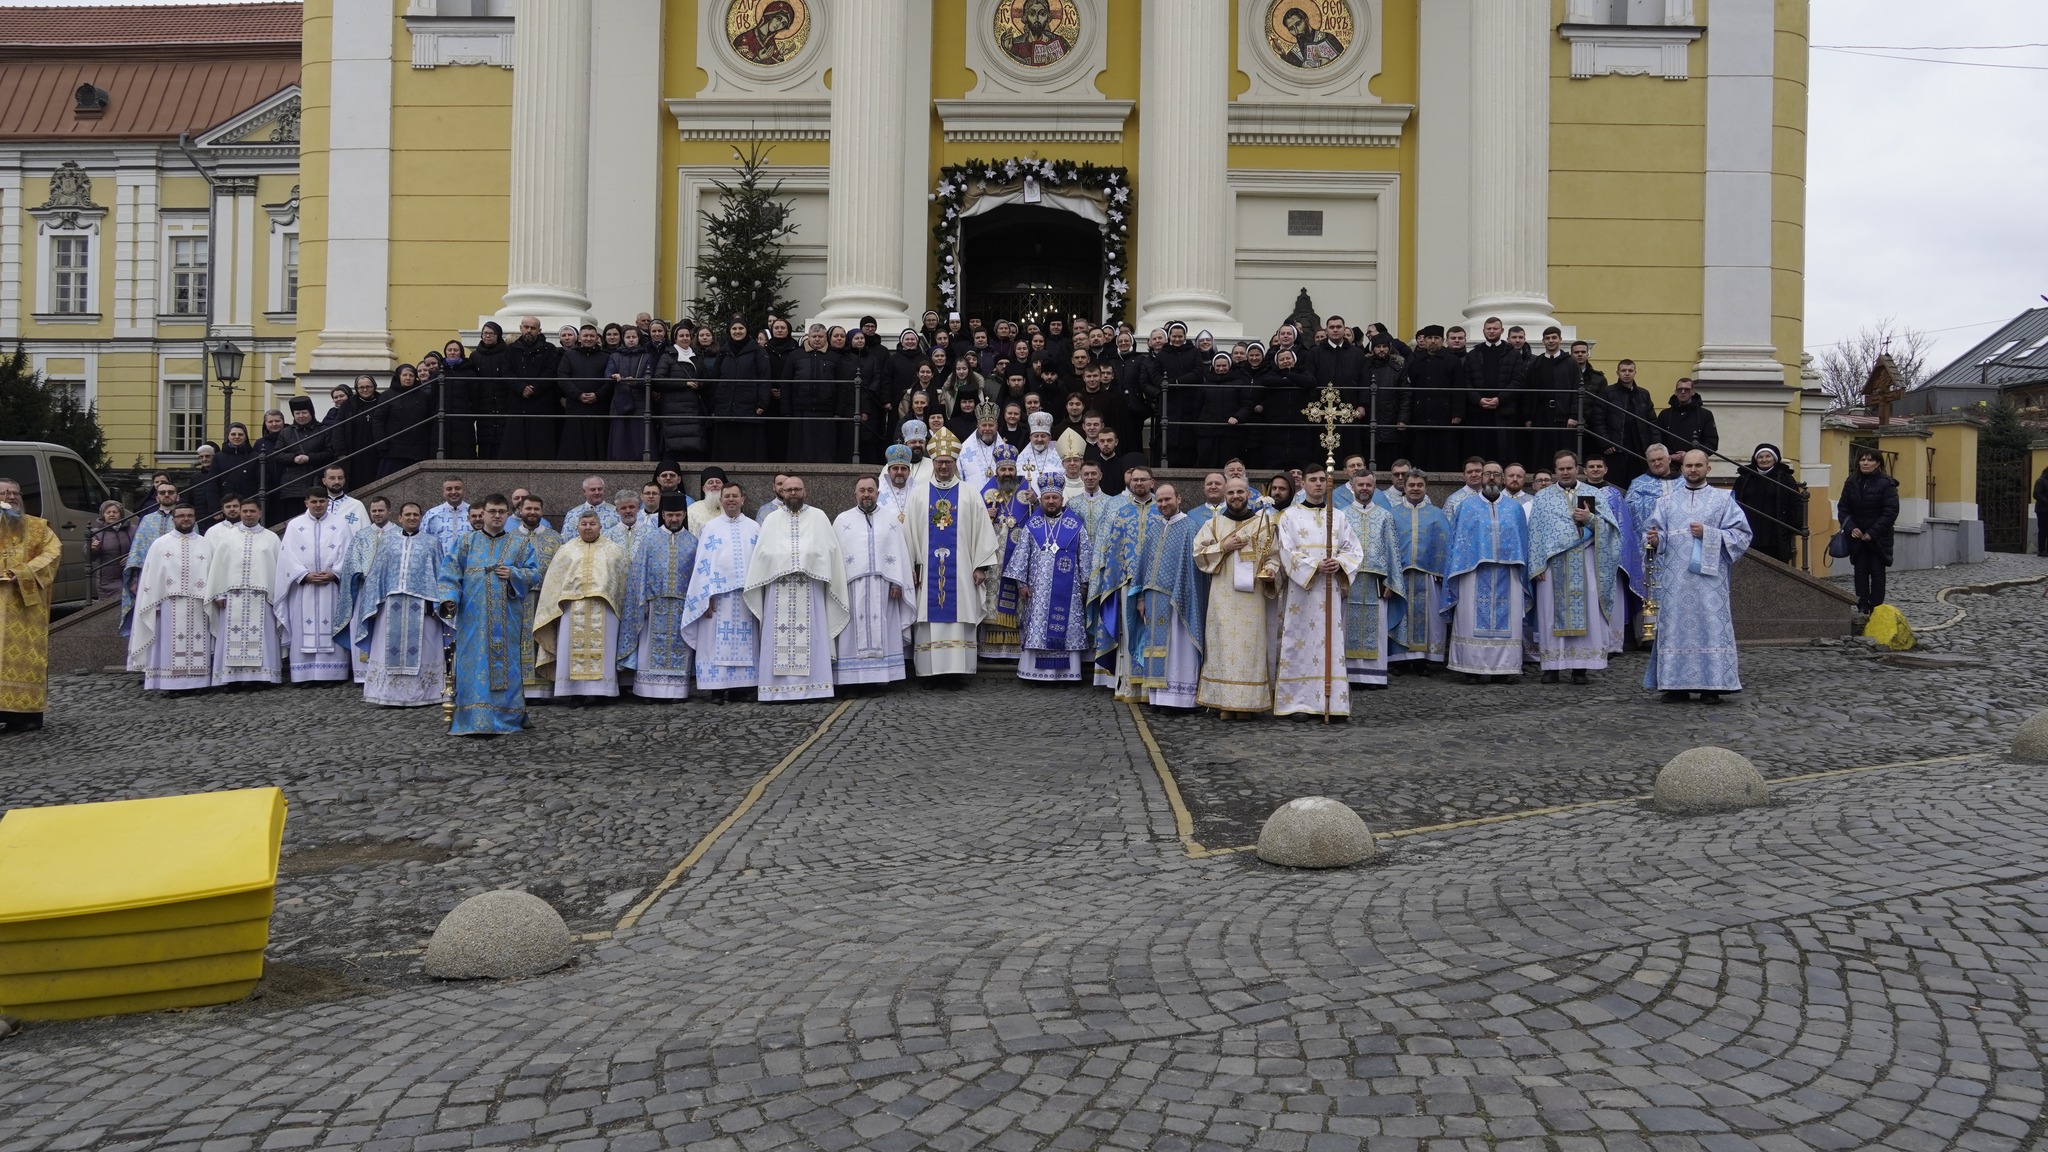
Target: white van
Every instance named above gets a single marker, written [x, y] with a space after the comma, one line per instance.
[57, 485]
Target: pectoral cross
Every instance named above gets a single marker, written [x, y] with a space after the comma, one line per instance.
[1329, 410]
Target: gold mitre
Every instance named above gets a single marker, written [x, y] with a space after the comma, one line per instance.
[1072, 446]
[943, 443]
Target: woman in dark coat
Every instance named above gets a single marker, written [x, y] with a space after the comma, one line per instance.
[1771, 496]
[350, 431]
[404, 421]
[1867, 511]
[860, 368]
[630, 367]
[454, 390]
[682, 398]
[235, 466]
[586, 387]
[740, 397]
[814, 395]
[489, 363]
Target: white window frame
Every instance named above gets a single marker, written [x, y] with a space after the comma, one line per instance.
[88, 383]
[166, 445]
[284, 221]
[46, 264]
[177, 227]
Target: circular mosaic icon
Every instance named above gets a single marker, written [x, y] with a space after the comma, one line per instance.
[1037, 33]
[1310, 34]
[768, 32]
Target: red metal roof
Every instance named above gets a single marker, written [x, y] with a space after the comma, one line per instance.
[148, 98]
[128, 24]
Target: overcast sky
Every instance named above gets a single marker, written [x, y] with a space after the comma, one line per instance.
[1925, 181]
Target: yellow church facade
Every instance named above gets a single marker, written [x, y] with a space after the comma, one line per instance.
[1632, 170]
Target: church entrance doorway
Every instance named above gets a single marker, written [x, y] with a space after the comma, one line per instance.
[1027, 262]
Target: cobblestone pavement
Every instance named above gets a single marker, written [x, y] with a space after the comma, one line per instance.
[928, 936]
[1433, 750]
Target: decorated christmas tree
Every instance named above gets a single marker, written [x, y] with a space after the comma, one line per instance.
[742, 267]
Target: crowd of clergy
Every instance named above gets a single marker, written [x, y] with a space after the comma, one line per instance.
[1233, 599]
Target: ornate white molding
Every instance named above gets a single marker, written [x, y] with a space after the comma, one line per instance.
[1630, 49]
[452, 33]
[1347, 77]
[742, 119]
[1311, 123]
[731, 76]
[1096, 121]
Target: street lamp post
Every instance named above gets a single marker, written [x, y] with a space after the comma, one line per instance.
[227, 368]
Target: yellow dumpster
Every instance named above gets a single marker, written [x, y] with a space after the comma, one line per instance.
[136, 905]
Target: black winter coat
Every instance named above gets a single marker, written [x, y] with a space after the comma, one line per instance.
[1870, 503]
[404, 422]
[742, 380]
[681, 399]
[1689, 425]
[1775, 503]
[1626, 418]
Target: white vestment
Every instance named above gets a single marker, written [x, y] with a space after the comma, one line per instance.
[796, 589]
[307, 610]
[172, 641]
[1311, 676]
[1237, 671]
[870, 650]
[1588, 651]
[244, 570]
[716, 622]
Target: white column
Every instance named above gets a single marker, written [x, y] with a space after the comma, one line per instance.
[1183, 182]
[356, 322]
[233, 293]
[546, 262]
[1735, 322]
[868, 183]
[1443, 163]
[1510, 236]
[625, 187]
[10, 245]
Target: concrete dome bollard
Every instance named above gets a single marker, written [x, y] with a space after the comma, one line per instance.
[497, 935]
[1315, 832]
[1710, 780]
[2030, 743]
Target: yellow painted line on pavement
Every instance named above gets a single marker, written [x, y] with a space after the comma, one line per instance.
[746, 805]
[1961, 613]
[1183, 820]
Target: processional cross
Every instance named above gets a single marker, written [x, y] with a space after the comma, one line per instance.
[1329, 410]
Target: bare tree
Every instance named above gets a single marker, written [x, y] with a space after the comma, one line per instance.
[1844, 367]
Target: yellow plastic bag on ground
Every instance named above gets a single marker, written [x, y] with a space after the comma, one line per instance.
[1888, 627]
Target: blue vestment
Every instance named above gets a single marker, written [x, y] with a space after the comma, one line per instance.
[489, 691]
[657, 584]
[1495, 549]
[1177, 585]
[1054, 563]
[1557, 545]
[148, 527]
[1422, 549]
[1374, 580]
[1131, 533]
[1695, 646]
[411, 573]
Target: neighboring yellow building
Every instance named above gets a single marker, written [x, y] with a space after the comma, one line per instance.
[149, 208]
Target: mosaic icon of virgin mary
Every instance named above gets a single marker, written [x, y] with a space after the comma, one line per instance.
[769, 40]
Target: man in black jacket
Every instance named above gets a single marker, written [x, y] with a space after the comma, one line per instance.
[1432, 396]
[1687, 423]
[1380, 402]
[1493, 379]
[1626, 425]
[1548, 401]
[533, 404]
[586, 398]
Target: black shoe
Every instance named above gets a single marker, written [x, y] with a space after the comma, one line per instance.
[1677, 697]
[1472, 678]
[1579, 676]
[1711, 698]
[1550, 676]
